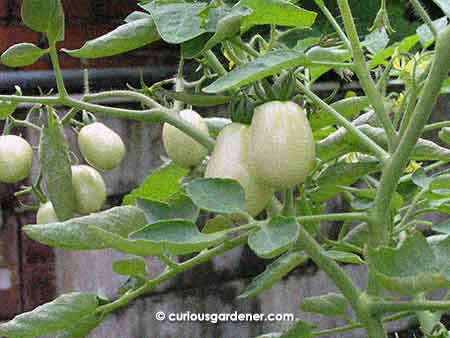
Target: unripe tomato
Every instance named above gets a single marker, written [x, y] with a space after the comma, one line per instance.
[230, 160]
[46, 214]
[282, 150]
[101, 147]
[181, 148]
[89, 187]
[16, 157]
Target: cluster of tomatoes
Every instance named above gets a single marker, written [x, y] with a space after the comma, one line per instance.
[276, 152]
[101, 147]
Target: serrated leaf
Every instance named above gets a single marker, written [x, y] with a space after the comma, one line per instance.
[348, 107]
[134, 267]
[56, 168]
[216, 224]
[159, 185]
[411, 268]
[178, 206]
[217, 195]
[263, 66]
[51, 317]
[82, 328]
[274, 273]
[176, 22]
[330, 181]
[275, 237]
[344, 257]
[176, 237]
[426, 36]
[75, 233]
[324, 55]
[331, 304]
[22, 54]
[198, 100]
[45, 16]
[127, 37]
[276, 12]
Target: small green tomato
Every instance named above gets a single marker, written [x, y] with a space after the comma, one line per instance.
[89, 187]
[181, 148]
[230, 160]
[16, 156]
[282, 148]
[101, 147]
[46, 214]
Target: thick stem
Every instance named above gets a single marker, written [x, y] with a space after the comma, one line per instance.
[425, 17]
[363, 73]
[214, 63]
[62, 91]
[289, 208]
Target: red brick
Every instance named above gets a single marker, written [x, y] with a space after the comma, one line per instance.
[74, 9]
[15, 34]
[3, 9]
[117, 9]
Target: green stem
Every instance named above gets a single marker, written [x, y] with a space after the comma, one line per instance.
[347, 216]
[379, 152]
[288, 207]
[171, 272]
[245, 47]
[139, 97]
[62, 91]
[333, 22]
[412, 207]
[431, 167]
[424, 16]
[363, 73]
[408, 112]
[436, 125]
[415, 305]
[214, 63]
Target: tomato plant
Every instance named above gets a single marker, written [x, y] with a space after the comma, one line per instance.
[266, 169]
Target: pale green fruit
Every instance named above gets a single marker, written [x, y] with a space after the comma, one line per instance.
[181, 148]
[46, 214]
[282, 150]
[101, 146]
[230, 160]
[89, 188]
[16, 156]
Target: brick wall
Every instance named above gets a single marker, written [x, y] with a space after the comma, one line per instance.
[85, 20]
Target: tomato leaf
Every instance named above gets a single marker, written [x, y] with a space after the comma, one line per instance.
[51, 317]
[159, 185]
[300, 329]
[376, 40]
[45, 16]
[177, 206]
[331, 304]
[424, 32]
[176, 237]
[56, 169]
[344, 257]
[274, 272]
[275, 237]
[444, 5]
[217, 195]
[7, 108]
[216, 224]
[265, 65]
[276, 12]
[134, 267]
[75, 234]
[413, 267]
[82, 328]
[22, 54]
[127, 37]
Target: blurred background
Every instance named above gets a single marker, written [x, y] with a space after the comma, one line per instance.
[31, 274]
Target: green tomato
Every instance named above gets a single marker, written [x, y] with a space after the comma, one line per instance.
[89, 188]
[101, 147]
[230, 160]
[46, 214]
[181, 148]
[282, 149]
[16, 157]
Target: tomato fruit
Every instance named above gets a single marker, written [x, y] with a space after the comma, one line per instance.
[101, 146]
[282, 149]
[181, 148]
[230, 160]
[89, 187]
[46, 214]
[16, 156]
